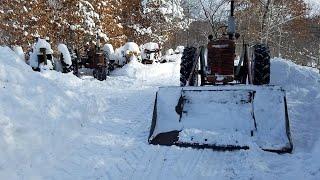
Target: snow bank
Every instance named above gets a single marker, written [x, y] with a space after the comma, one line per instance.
[62, 48]
[12, 68]
[132, 69]
[19, 51]
[290, 75]
[302, 85]
[37, 120]
[150, 74]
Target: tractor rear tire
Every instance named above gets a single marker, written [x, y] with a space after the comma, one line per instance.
[100, 73]
[261, 64]
[187, 59]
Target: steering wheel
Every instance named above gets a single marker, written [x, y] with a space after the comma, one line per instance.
[222, 31]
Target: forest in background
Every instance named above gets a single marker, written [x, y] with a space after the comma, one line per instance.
[288, 27]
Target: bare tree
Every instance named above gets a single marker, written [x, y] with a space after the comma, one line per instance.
[214, 12]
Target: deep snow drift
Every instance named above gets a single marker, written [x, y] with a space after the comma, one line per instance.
[56, 126]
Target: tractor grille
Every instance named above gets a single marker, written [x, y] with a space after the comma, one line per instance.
[221, 54]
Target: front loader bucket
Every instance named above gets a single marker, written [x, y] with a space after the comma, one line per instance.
[222, 118]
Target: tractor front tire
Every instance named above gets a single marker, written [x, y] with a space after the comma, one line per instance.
[187, 59]
[261, 64]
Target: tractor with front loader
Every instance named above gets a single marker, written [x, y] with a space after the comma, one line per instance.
[223, 104]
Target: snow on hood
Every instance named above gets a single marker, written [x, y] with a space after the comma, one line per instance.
[151, 46]
[108, 48]
[131, 46]
[66, 54]
[110, 53]
[42, 43]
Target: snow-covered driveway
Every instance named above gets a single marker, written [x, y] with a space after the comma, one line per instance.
[56, 126]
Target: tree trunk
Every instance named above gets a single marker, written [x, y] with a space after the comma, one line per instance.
[264, 20]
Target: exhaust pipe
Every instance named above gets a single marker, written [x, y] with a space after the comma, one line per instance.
[231, 22]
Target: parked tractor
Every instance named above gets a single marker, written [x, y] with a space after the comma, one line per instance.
[151, 53]
[131, 52]
[92, 57]
[220, 105]
[41, 56]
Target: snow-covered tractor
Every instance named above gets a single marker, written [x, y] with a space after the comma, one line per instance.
[65, 58]
[92, 58]
[220, 105]
[131, 52]
[41, 56]
[151, 53]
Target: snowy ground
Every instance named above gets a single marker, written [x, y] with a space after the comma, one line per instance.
[56, 126]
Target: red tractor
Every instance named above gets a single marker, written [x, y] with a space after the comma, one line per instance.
[220, 105]
[217, 61]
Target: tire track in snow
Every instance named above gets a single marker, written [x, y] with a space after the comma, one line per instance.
[129, 160]
[143, 161]
[194, 163]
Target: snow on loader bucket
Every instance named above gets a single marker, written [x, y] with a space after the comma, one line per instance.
[222, 118]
